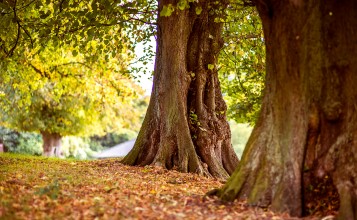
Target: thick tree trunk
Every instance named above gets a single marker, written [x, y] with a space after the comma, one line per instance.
[51, 144]
[185, 125]
[308, 124]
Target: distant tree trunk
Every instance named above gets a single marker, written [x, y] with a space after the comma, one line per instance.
[307, 128]
[5, 148]
[185, 125]
[51, 144]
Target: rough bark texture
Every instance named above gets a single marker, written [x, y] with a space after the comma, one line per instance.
[185, 125]
[51, 144]
[308, 121]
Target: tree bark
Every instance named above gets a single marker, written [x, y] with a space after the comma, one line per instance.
[51, 144]
[185, 125]
[308, 123]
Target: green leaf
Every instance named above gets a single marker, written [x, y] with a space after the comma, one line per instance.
[38, 5]
[44, 15]
[183, 4]
[74, 53]
[198, 10]
[167, 10]
[210, 66]
[90, 32]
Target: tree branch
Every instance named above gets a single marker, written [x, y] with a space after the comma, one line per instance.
[18, 31]
[43, 74]
[2, 46]
[25, 6]
[27, 33]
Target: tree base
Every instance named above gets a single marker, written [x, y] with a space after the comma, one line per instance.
[185, 125]
[51, 144]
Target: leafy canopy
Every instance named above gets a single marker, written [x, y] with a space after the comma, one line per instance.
[56, 91]
[33, 23]
[65, 63]
[242, 63]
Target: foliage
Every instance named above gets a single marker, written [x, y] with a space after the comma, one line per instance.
[76, 147]
[117, 26]
[9, 138]
[72, 147]
[57, 92]
[29, 143]
[111, 139]
[39, 188]
[21, 142]
[32, 24]
[242, 64]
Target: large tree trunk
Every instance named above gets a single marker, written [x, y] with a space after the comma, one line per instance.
[185, 125]
[51, 144]
[308, 123]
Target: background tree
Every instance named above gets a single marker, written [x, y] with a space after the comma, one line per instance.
[185, 125]
[31, 24]
[307, 126]
[116, 26]
[242, 63]
[57, 93]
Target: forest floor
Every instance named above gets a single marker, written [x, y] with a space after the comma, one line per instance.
[47, 188]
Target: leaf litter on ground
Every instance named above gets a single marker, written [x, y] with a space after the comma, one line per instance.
[48, 188]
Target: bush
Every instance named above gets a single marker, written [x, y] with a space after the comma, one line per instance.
[111, 139]
[76, 147]
[9, 138]
[29, 143]
[21, 142]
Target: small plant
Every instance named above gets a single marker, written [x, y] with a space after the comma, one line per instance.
[194, 118]
[52, 190]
